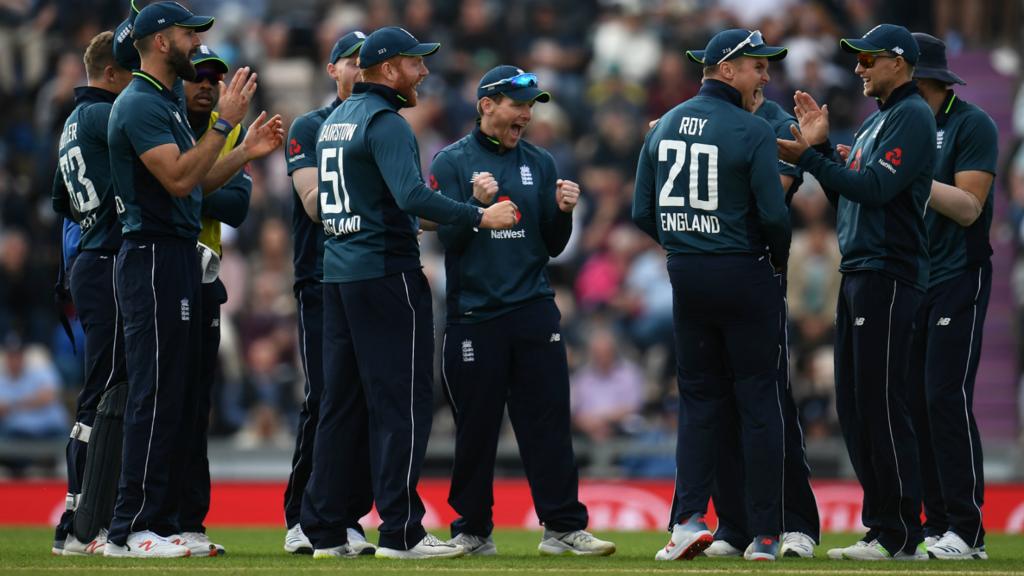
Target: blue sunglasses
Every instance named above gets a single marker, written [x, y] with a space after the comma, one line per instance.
[524, 80]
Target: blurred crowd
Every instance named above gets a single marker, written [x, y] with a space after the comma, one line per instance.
[611, 66]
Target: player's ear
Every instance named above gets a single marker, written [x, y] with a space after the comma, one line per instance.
[330, 69]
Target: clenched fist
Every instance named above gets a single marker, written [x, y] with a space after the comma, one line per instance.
[485, 188]
[567, 194]
[500, 216]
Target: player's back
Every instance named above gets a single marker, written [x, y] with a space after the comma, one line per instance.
[716, 187]
[84, 165]
[368, 235]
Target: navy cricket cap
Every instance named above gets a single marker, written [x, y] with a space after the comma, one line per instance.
[885, 38]
[156, 17]
[734, 43]
[125, 54]
[347, 46]
[389, 42]
[512, 82]
[931, 63]
[205, 54]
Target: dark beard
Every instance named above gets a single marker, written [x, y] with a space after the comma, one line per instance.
[182, 65]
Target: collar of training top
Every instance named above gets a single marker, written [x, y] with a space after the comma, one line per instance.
[160, 88]
[948, 104]
[721, 90]
[901, 92]
[93, 94]
[490, 144]
[395, 99]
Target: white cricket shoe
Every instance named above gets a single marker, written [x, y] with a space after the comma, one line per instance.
[357, 542]
[74, 547]
[475, 545]
[930, 541]
[146, 544]
[796, 545]
[953, 547]
[688, 540]
[343, 551]
[57, 548]
[427, 548]
[837, 553]
[575, 543]
[198, 543]
[295, 541]
[875, 551]
[722, 549]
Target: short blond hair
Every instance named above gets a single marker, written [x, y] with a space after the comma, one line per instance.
[99, 54]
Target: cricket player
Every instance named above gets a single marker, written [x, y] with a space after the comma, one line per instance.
[708, 190]
[378, 335]
[308, 242]
[82, 192]
[949, 325]
[159, 171]
[880, 197]
[503, 344]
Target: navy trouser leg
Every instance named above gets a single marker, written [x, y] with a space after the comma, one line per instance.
[800, 509]
[384, 339]
[157, 286]
[337, 492]
[884, 453]
[475, 373]
[936, 521]
[538, 407]
[955, 325]
[311, 332]
[799, 506]
[720, 322]
[93, 290]
[195, 503]
[392, 329]
[728, 488]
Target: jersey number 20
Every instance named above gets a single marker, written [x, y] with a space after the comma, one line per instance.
[331, 202]
[83, 196]
[697, 149]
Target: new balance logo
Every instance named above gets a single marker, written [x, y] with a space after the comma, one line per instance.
[555, 337]
[859, 321]
[147, 545]
[943, 322]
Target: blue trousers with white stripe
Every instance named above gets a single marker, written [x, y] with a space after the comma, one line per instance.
[195, 499]
[378, 375]
[311, 336]
[157, 288]
[799, 507]
[93, 291]
[723, 307]
[874, 321]
[515, 360]
[946, 351]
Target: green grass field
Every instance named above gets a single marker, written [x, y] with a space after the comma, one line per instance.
[258, 551]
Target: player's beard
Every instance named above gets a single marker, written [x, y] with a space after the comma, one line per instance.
[182, 64]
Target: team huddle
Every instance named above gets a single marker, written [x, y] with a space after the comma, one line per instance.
[153, 161]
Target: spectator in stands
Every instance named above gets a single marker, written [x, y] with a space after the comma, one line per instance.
[30, 405]
[608, 391]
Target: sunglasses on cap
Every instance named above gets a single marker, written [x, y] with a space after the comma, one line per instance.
[524, 80]
[867, 59]
[754, 40]
[208, 74]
